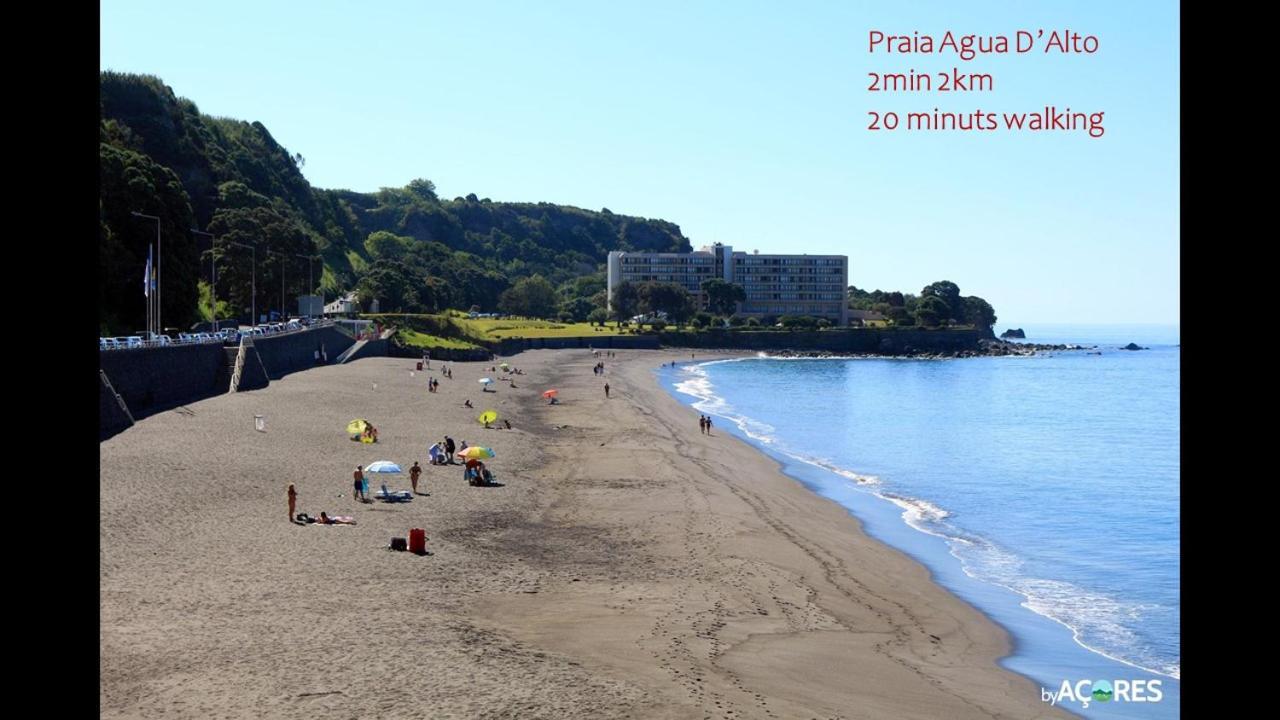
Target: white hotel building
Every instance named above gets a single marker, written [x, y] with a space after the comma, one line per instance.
[775, 284]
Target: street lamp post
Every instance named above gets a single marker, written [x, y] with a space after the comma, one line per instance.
[156, 323]
[282, 257]
[310, 266]
[213, 277]
[253, 299]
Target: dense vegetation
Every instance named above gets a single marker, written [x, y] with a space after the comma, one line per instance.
[938, 304]
[412, 250]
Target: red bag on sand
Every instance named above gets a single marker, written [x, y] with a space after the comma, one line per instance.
[417, 540]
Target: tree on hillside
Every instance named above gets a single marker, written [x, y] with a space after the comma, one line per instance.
[722, 297]
[382, 244]
[932, 311]
[625, 301]
[392, 284]
[978, 312]
[531, 297]
[424, 189]
[949, 293]
[576, 309]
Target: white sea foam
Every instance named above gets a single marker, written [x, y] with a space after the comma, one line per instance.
[1078, 609]
[919, 514]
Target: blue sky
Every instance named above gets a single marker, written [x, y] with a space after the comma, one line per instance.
[743, 122]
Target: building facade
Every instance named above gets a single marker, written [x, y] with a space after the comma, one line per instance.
[775, 284]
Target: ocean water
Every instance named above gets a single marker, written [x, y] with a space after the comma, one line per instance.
[1042, 490]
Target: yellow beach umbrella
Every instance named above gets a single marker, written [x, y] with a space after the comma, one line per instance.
[357, 426]
[488, 416]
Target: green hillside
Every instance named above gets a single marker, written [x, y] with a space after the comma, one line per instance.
[159, 155]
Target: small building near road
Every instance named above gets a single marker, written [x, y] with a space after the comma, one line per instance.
[867, 318]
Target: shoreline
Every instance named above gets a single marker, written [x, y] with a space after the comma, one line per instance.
[863, 497]
[627, 567]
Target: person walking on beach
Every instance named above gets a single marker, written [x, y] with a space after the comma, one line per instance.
[702, 424]
[708, 424]
[449, 447]
[606, 391]
[414, 473]
[293, 501]
[357, 491]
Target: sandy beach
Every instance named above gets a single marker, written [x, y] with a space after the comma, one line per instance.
[625, 567]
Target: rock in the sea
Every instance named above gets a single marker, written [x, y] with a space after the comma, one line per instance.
[1133, 346]
[1014, 333]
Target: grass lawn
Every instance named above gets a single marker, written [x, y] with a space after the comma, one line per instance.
[422, 340]
[499, 329]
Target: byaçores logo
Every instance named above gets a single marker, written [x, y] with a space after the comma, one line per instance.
[1085, 692]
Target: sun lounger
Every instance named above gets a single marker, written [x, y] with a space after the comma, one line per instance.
[393, 495]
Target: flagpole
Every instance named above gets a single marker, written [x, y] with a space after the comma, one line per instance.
[155, 320]
[146, 286]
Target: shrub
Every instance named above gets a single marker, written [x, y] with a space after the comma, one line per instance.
[798, 322]
[753, 322]
[658, 325]
[737, 321]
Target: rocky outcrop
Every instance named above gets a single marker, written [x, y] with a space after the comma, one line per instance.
[1014, 333]
[1134, 346]
[986, 348]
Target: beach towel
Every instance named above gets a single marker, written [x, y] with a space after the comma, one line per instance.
[333, 520]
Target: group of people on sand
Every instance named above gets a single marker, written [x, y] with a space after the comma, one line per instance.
[704, 422]
[607, 353]
[442, 452]
[598, 369]
[475, 473]
[368, 435]
[432, 384]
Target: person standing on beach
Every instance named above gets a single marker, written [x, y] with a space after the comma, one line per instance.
[702, 424]
[293, 501]
[357, 492]
[414, 473]
[449, 447]
[606, 391]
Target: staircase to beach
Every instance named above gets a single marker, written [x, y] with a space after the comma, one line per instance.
[346, 354]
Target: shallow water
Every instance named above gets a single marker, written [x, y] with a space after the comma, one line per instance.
[1043, 490]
